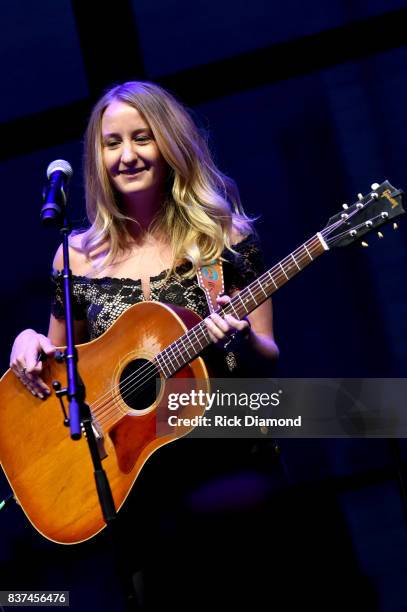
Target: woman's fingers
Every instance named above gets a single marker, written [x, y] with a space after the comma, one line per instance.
[237, 324]
[46, 345]
[222, 328]
[216, 333]
[26, 361]
[36, 386]
[223, 299]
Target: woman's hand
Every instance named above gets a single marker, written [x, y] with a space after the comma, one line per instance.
[25, 360]
[220, 329]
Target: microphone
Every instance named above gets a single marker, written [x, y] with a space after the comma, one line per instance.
[54, 195]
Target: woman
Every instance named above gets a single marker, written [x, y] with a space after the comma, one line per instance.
[158, 210]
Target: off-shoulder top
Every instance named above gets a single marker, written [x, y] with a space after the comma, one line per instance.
[102, 300]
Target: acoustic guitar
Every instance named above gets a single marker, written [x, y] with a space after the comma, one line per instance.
[126, 372]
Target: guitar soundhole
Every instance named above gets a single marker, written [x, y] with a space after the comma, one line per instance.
[138, 384]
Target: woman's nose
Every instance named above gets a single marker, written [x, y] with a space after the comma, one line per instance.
[128, 152]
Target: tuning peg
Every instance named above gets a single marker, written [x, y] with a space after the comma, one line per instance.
[360, 197]
[374, 186]
[364, 244]
[395, 226]
[380, 234]
[345, 206]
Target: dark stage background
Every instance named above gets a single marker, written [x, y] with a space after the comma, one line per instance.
[305, 104]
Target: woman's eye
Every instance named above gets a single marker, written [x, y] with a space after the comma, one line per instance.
[142, 138]
[111, 143]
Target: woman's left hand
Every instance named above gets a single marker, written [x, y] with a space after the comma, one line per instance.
[221, 329]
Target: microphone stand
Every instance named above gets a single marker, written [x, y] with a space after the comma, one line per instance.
[80, 418]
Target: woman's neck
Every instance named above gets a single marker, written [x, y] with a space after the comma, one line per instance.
[143, 210]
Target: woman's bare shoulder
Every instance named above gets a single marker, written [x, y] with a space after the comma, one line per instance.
[79, 263]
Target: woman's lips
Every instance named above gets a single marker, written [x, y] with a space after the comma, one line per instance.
[131, 172]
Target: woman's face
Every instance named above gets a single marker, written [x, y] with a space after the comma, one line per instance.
[130, 153]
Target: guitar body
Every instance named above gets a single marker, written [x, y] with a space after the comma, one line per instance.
[51, 475]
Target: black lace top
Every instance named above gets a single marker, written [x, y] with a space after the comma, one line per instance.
[102, 300]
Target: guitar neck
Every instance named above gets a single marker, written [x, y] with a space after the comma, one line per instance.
[194, 341]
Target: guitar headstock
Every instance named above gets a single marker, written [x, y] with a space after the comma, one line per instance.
[382, 204]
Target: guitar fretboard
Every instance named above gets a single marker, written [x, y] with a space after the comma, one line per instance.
[195, 340]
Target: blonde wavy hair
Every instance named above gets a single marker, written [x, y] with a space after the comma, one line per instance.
[201, 207]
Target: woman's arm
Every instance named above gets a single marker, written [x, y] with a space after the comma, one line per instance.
[29, 345]
[57, 335]
[77, 262]
[261, 335]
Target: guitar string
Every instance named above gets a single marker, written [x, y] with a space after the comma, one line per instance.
[199, 326]
[105, 414]
[150, 367]
[361, 225]
[133, 380]
[136, 379]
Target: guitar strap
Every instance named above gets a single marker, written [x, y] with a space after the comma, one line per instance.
[210, 279]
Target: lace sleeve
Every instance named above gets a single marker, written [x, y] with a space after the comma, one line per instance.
[245, 266]
[57, 298]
